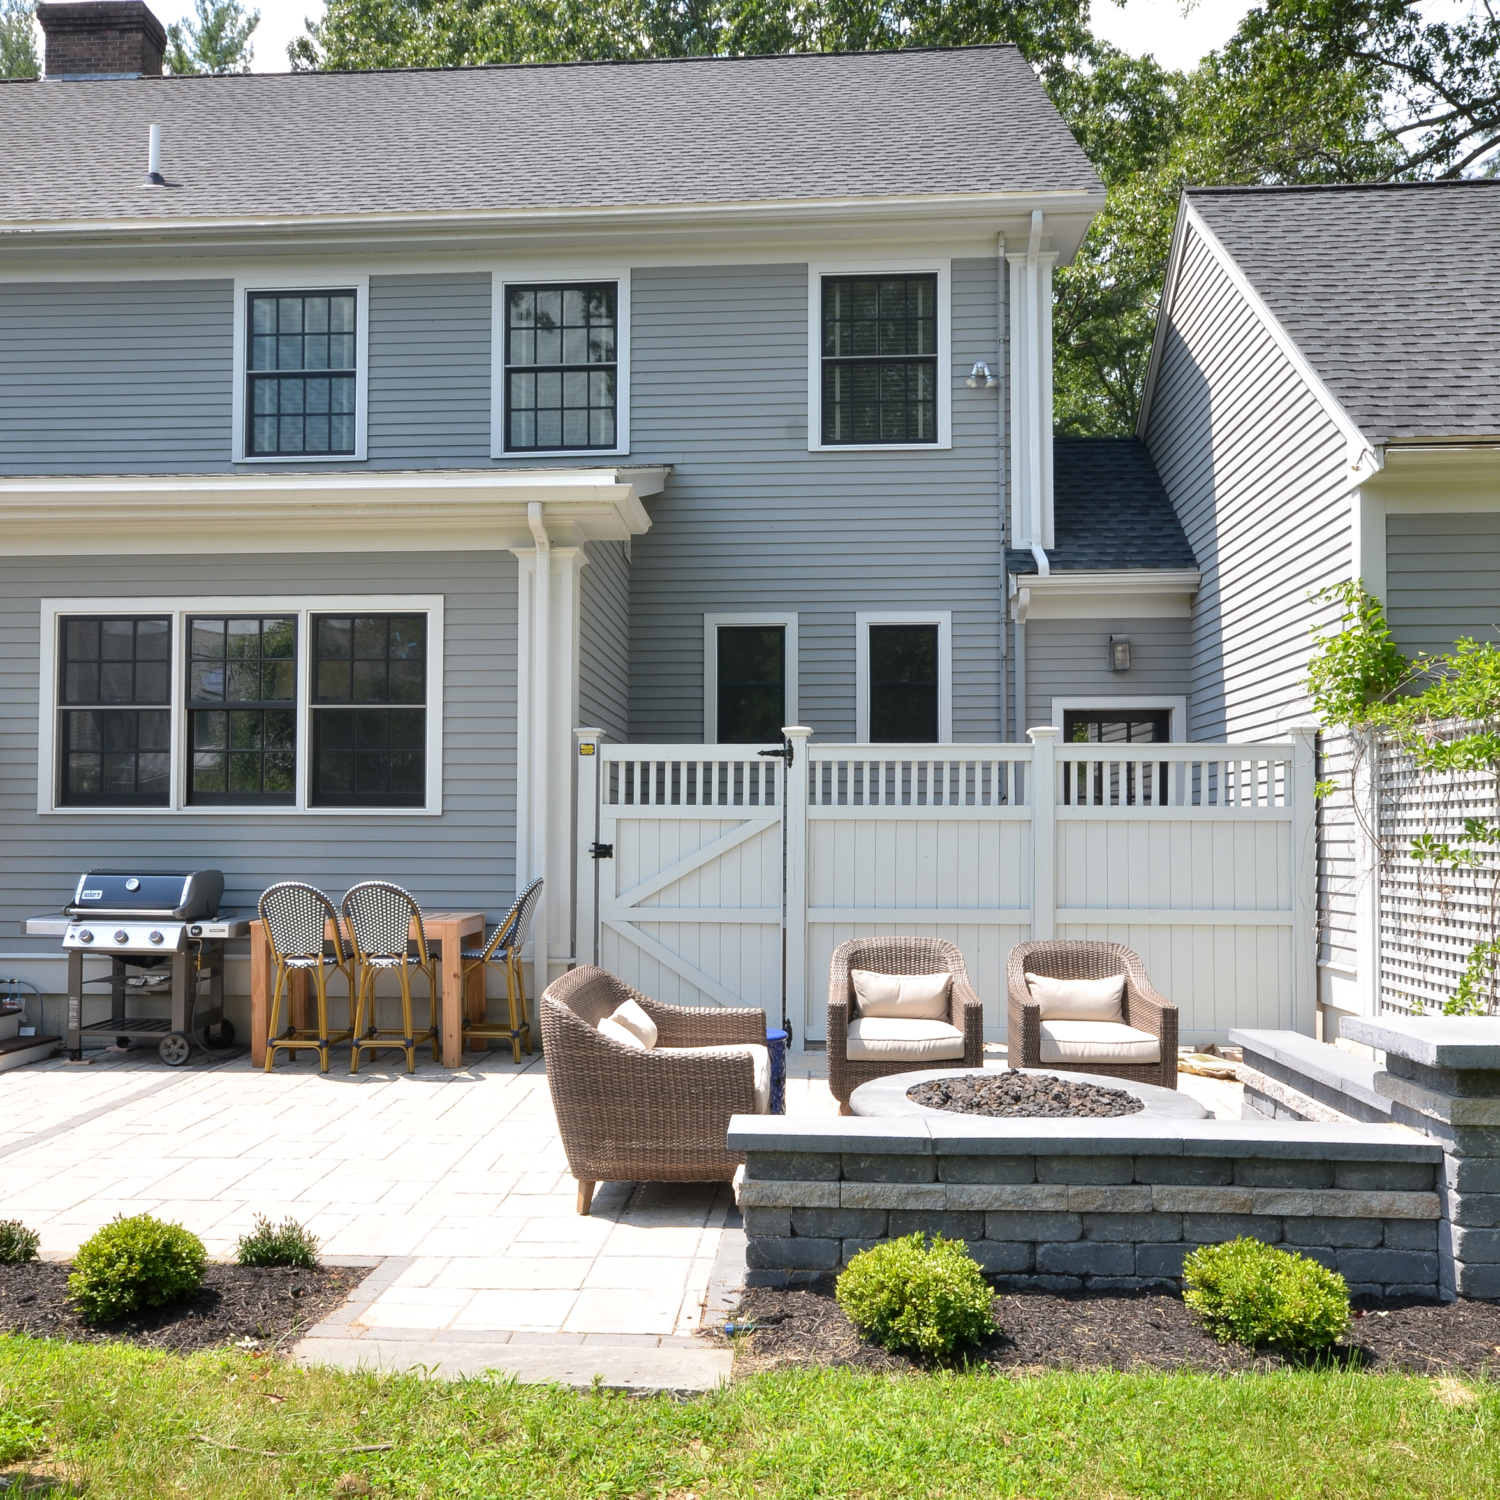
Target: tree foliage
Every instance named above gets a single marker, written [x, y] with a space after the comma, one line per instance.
[216, 41]
[18, 57]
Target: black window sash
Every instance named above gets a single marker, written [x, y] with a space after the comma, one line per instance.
[318, 400]
[879, 354]
[904, 674]
[585, 386]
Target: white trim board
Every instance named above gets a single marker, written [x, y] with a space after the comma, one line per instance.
[559, 273]
[885, 266]
[287, 279]
[1126, 594]
[943, 619]
[268, 604]
[711, 625]
[1174, 703]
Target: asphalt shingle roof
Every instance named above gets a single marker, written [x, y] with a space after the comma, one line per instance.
[689, 131]
[1391, 292]
[1109, 511]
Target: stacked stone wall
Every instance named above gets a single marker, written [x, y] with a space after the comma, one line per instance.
[1112, 1213]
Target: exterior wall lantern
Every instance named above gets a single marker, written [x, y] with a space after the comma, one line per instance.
[1119, 653]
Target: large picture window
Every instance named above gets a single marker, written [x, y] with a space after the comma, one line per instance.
[271, 705]
[301, 374]
[561, 367]
[879, 360]
[114, 715]
[369, 714]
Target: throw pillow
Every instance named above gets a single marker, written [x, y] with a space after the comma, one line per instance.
[631, 1026]
[1078, 999]
[902, 997]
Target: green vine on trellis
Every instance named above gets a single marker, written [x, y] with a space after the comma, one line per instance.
[1360, 681]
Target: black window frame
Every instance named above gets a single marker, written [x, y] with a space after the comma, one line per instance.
[197, 706]
[847, 358]
[256, 375]
[562, 368]
[1094, 782]
[725, 685]
[72, 701]
[881, 714]
[363, 717]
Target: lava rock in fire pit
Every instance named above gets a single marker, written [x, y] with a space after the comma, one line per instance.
[1029, 1095]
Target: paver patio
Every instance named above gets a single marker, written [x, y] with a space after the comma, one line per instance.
[453, 1184]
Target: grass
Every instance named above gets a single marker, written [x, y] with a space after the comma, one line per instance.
[124, 1422]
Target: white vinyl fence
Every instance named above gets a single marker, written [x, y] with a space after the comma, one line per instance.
[725, 877]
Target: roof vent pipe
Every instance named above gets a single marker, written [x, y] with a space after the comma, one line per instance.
[153, 160]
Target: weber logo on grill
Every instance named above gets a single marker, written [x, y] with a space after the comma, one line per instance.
[92, 896]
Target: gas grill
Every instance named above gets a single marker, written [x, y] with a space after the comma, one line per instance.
[164, 939]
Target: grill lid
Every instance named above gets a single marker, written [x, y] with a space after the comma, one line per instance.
[184, 897]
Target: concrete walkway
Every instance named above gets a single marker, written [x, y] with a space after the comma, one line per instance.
[452, 1185]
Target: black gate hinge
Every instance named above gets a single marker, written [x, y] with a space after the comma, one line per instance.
[601, 851]
[785, 753]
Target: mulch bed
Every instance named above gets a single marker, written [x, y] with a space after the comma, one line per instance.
[1119, 1331]
[270, 1304]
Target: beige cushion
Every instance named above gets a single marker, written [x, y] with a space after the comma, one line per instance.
[760, 1060]
[629, 1025]
[1097, 1041]
[890, 1039]
[1078, 999]
[902, 997]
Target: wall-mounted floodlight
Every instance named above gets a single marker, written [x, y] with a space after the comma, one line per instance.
[981, 378]
[1119, 653]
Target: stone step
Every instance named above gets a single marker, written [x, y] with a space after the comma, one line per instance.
[1331, 1077]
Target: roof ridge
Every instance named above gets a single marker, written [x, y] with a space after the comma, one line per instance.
[1269, 188]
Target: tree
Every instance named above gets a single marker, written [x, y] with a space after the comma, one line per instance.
[218, 42]
[18, 57]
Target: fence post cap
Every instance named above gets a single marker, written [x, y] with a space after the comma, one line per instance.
[1042, 732]
[796, 731]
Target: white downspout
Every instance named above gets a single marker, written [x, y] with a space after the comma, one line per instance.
[541, 635]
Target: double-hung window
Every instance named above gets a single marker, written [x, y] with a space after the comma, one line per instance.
[114, 711]
[879, 360]
[903, 692]
[561, 367]
[749, 677]
[219, 704]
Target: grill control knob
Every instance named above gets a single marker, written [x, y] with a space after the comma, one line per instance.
[85, 936]
[156, 937]
[121, 936]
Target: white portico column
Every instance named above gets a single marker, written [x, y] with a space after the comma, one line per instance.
[547, 608]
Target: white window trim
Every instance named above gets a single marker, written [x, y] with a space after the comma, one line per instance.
[943, 619]
[558, 275]
[179, 609]
[711, 625]
[816, 271]
[287, 280]
[1174, 703]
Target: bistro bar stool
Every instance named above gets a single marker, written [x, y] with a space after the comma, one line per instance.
[381, 917]
[504, 948]
[296, 919]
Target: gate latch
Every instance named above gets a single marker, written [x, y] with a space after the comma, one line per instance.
[601, 851]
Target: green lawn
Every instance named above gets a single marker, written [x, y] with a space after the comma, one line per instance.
[120, 1422]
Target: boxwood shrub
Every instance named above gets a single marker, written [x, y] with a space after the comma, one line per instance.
[1254, 1294]
[135, 1263]
[907, 1294]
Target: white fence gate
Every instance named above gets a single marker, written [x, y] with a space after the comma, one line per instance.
[725, 877]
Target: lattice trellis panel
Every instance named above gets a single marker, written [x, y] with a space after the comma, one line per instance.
[1431, 915]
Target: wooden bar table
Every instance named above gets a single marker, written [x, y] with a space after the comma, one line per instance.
[447, 931]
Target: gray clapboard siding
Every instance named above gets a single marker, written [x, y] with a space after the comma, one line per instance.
[1256, 469]
[751, 520]
[114, 377]
[1337, 872]
[1442, 575]
[604, 640]
[1065, 659]
[430, 371]
[464, 858]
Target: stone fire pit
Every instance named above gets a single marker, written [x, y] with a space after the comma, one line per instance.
[888, 1098]
[1014, 1094]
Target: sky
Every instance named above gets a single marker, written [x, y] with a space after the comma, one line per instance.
[1156, 26]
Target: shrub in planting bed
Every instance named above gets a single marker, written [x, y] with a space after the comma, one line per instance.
[135, 1263]
[907, 1294]
[1254, 1294]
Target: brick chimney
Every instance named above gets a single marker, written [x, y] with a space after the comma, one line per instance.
[101, 39]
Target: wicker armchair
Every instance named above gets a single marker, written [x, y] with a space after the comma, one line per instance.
[628, 1116]
[1143, 1007]
[895, 955]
